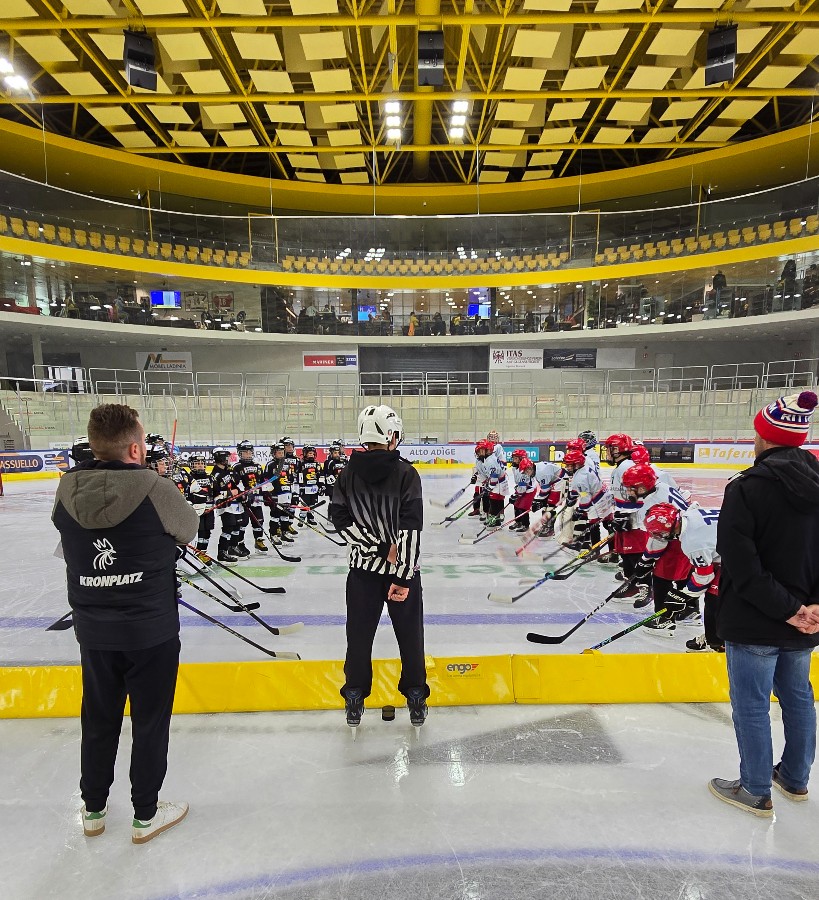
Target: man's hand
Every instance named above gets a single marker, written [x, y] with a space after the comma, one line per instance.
[400, 594]
[805, 619]
[392, 554]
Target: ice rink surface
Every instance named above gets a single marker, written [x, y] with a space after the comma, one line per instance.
[491, 803]
[457, 579]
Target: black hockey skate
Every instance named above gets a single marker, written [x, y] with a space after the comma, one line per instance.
[354, 708]
[240, 550]
[417, 705]
[260, 545]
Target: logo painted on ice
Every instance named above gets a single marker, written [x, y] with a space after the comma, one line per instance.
[462, 668]
[106, 554]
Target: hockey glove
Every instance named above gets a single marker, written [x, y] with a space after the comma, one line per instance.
[571, 499]
[579, 515]
[538, 504]
[473, 479]
[620, 521]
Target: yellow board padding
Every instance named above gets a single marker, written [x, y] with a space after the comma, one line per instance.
[565, 678]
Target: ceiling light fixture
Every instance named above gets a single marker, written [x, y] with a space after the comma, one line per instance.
[392, 106]
[460, 106]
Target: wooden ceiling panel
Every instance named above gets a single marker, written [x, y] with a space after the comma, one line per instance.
[588, 78]
[337, 114]
[603, 42]
[134, 140]
[239, 137]
[608, 135]
[284, 112]
[182, 46]
[170, 115]
[523, 79]
[742, 110]
[560, 135]
[714, 133]
[47, 48]
[670, 41]
[568, 111]
[303, 160]
[294, 137]
[189, 139]
[208, 81]
[224, 114]
[506, 136]
[681, 110]
[545, 158]
[79, 83]
[635, 112]
[347, 137]
[533, 42]
[354, 178]
[777, 76]
[537, 174]
[268, 81]
[510, 111]
[111, 116]
[661, 135]
[650, 78]
[256, 45]
[324, 45]
[350, 161]
[332, 81]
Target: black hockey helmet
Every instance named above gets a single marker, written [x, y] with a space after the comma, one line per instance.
[245, 447]
[589, 438]
[276, 447]
[288, 440]
[221, 456]
[156, 454]
[154, 437]
[196, 461]
[308, 448]
[81, 450]
[335, 447]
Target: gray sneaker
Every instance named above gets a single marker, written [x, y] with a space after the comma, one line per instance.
[792, 793]
[734, 793]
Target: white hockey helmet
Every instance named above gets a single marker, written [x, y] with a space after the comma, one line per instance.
[377, 425]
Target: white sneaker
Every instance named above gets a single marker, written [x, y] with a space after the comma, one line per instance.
[93, 823]
[167, 815]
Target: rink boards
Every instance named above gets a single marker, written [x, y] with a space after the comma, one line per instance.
[476, 651]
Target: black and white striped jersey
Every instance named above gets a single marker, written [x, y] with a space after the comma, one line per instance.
[376, 503]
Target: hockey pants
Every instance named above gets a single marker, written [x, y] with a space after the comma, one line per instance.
[206, 522]
[366, 596]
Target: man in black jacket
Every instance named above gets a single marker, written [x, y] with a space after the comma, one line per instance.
[120, 524]
[768, 536]
[377, 506]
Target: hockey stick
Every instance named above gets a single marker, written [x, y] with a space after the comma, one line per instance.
[241, 637]
[625, 631]
[448, 520]
[200, 569]
[235, 498]
[548, 639]
[182, 576]
[235, 573]
[325, 535]
[463, 539]
[537, 532]
[452, 499]
[561, 574]
[63, 623]
[247, 608]
[284, 556]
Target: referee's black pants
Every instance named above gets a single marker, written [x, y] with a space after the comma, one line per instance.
[366, 596]
[148, 678]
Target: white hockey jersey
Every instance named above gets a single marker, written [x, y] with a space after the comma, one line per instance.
[492, 474]
[618, 492]
[524, 484]
[662, 493]
[593, 496]
[547, 475]
[698, 540]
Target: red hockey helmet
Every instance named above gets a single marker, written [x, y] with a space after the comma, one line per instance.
[517, 457]
[525, 463]
[661, 520]
[576, 444]
[641, 475]
[640, 454]
[619, 443]
[574, 457]
[484, 445]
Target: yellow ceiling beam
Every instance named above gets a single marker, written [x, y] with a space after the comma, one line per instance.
[512, 20]
[716, 93]
[436, 148]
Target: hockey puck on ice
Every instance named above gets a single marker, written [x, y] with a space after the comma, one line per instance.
[388, 713]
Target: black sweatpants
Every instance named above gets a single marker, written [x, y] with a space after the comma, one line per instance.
[366, 596]
[148, 678]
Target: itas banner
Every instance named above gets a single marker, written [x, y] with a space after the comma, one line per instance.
[569, 359]
[501, 358]
[164, 361]
[37, 463]
[344, 359]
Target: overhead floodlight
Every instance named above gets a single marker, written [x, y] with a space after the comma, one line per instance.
[392, 106]
[394, 134]
[460, 106]
[458, 120]
[6, 68]
[456, 133]
[393, 121]
[15, 83]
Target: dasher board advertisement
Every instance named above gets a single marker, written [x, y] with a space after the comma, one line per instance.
[502, 358]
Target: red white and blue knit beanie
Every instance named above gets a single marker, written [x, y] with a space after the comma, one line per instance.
[786, 422]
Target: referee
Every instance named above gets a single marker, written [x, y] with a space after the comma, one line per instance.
[377, 506]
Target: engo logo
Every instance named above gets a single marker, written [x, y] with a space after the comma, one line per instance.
[462, 668]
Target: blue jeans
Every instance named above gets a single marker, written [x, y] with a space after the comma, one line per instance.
[753, 673]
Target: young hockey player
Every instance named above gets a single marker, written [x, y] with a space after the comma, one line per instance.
[377, 506]
[491, 474]
[526, 487]
[497, 447]
[588, 498]
[247, 473]
[629, 540]
[277, 494]
[229, 513]
[311, 481]
[696, 530]
[81, 450]
[335, 462]
[644, 491]
[200, 494]
[158, 459]
[551, 487]
[293, 465]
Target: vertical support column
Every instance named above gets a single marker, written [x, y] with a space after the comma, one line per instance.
[37, 351]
